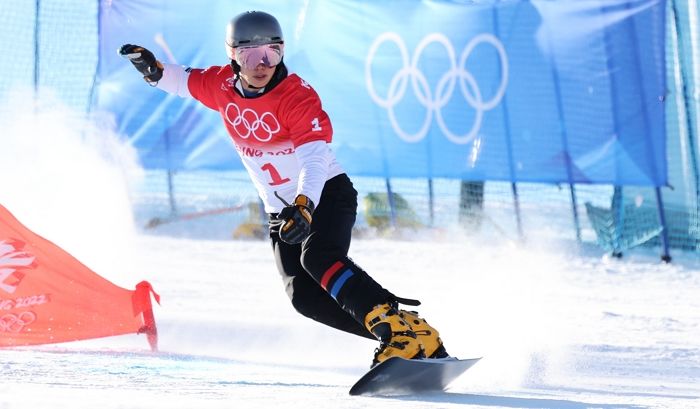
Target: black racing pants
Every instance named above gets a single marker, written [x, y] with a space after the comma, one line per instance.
[321, 281]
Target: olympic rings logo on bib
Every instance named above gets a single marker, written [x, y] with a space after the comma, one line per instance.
[433, 103]
[248, 122]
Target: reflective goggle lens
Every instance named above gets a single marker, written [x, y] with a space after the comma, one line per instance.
[268, 54]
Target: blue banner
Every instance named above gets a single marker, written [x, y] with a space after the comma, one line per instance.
[512, 90]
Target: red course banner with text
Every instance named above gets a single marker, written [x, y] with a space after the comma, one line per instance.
[48, 296]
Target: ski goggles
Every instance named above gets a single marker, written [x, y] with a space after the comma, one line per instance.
[250, 57]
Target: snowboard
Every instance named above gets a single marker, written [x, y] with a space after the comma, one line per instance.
[399, 376]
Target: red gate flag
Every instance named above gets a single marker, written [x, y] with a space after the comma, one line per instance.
[48, 296]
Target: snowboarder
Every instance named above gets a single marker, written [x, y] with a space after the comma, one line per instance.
[282, 136]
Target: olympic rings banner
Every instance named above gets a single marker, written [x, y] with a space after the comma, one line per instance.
[510, 90]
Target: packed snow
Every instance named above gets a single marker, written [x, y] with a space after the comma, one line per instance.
[557, 326]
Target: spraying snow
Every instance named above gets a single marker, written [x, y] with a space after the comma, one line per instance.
[557, 328]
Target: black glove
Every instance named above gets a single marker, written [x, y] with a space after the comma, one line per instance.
[144, 61]
[296, 218]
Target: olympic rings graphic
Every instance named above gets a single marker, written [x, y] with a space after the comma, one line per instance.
[445, 87]
[250, 123]
[16, 322]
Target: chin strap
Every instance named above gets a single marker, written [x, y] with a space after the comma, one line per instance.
[236, 68]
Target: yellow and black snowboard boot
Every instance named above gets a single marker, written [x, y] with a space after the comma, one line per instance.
[428, 336]
[394, 334]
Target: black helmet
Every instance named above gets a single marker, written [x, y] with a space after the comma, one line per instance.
[252, 28]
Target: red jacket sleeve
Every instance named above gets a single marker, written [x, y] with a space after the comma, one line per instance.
[305, 117]
[203, 85]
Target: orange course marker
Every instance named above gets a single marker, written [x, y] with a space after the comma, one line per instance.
[48, 296]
